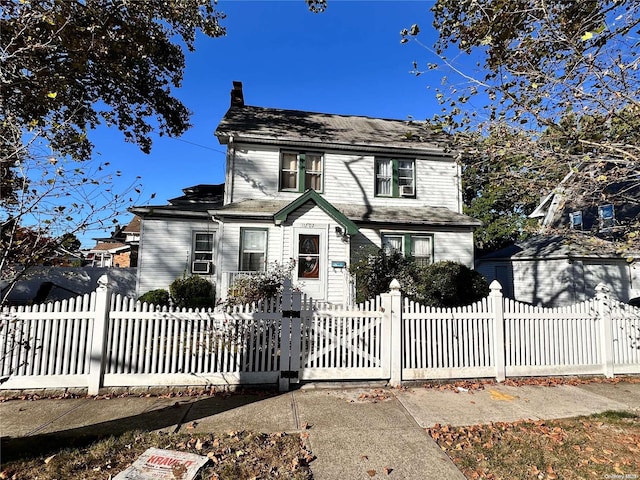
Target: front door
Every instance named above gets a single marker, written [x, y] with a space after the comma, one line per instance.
[310, 256]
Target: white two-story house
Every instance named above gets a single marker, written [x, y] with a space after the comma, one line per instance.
[315, 188]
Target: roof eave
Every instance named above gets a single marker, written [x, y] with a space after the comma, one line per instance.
[224, 137]
[150, 212]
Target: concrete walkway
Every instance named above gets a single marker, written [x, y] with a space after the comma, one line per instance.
[350, 430]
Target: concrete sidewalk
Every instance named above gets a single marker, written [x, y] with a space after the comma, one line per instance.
[350, 430]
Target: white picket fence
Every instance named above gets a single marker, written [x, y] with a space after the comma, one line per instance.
[104, 340]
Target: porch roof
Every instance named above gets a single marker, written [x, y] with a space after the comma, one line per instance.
[358, 214]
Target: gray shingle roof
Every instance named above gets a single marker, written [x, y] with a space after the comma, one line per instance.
[268, 125]
[415, 215]
[556, 246]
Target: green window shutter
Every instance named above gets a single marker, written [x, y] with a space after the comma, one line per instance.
[302, 170]
[407, 244]
[395, 190]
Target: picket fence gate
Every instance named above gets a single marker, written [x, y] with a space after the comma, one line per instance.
[102, 340]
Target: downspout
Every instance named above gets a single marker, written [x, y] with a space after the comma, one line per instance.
[458, 182]
[139, 265]
[231, 160]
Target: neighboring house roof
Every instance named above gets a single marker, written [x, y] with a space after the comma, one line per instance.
[295, 127]
[133, 226]
[416, 215]
[549, 247]
[583, 190]
[112, 247]
[195, 203]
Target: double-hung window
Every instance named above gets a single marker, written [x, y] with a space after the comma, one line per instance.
[417, 246]
[395, 177]
[300, 171]
[253, 249]
[202, 258]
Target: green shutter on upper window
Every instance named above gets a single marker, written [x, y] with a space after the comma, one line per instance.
[394, 166]
[301, 172]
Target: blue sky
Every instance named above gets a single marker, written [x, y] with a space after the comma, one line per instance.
[348, 60]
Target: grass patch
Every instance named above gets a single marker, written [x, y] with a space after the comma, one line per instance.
[605, 445]
[236, 455]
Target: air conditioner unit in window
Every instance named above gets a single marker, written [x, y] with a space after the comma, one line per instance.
[406, 190]
[201, 267]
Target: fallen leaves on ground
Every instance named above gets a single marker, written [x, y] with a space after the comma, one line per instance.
[375, 396]
[464, 386]
[577, 448]
[237, 455]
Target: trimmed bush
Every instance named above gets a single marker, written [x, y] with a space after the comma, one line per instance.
[374, 269]
[449, 284]
[193, 292]
[159, 297]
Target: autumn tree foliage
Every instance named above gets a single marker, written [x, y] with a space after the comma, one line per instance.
[539, 89]
[65, 68]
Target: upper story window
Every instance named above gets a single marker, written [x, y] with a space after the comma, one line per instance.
[253, 249]
[607, 216]
[417, 246]
[395, 177]
[575, 219]
[300, 171]
[202, 257]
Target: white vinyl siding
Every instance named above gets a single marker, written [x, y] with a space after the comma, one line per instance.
[166, 251]
[348, 178]
[579, 277]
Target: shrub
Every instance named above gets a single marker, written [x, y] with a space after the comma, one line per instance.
[159, 297]
[449, 284]
[192, 292]
[442, 284]
[374, 269]
[253, 287]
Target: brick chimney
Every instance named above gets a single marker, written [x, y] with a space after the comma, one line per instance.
[237, 97]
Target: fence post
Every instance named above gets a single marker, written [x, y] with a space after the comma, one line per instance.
[497, 308]
[606, 324]
[99, 335]
[393, 314]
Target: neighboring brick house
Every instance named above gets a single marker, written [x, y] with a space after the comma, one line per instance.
[120, 250]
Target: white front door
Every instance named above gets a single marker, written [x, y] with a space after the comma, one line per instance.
[310, 253]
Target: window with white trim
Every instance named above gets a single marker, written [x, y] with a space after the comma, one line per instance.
[253, 249]
[607, 216]
[416, 246]
[202, 256]
[575, 220]
[395, 177]
[300, 171]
